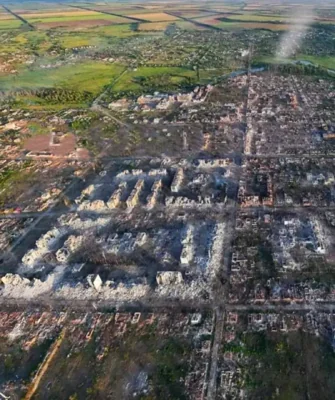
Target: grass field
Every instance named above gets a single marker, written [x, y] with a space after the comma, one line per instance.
[252, 18]
[326, 62]
[88, 76]
[74, 18]
[34, 103]
[189, 26]
[278, 365]
[120, 31]
[211, 20]
[123, 10]
[33, 37]
[34, 6]
[255, 25]
[55, 14]
[235, 24]
[10, 24]
[130, 80]
[78, 39]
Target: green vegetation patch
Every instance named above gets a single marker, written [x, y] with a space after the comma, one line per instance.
[118, 366]
[154, 78]
[33, 40]
[258, 18]
[30, 101]
[14, 180]
[77, 18]
[8, 24]
[292, 366]
[69, 41]
[87, 76]
[120, 31]
[322, 61]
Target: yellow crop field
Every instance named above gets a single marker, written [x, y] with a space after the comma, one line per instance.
[154, 26]
[154, 17]
[5, 16]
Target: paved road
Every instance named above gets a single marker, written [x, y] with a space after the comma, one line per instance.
[227, 208]
[217, 343]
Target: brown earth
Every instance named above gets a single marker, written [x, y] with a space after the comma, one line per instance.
[42, 143]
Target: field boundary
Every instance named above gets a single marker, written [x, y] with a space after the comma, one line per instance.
[110, 13]
[24, 21]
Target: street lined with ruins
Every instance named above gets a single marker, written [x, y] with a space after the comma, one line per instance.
[167, 201]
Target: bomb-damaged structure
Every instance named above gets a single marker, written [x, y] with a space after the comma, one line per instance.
[58, 337]
[107, 248]
[288, 182]
[289, 115]
[273, 255]
[243, 330]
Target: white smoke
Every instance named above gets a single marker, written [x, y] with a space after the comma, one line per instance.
[292, 39]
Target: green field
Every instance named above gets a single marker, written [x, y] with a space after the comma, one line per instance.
[10, 24]
[327, 62]
[120, 31]
[97, 16]
[69, 41]
[287, 366]
[131, 81]
[324, 61]
[86, 76]
[253, 17]
[34, 103]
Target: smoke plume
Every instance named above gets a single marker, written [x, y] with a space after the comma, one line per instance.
[292, 39]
